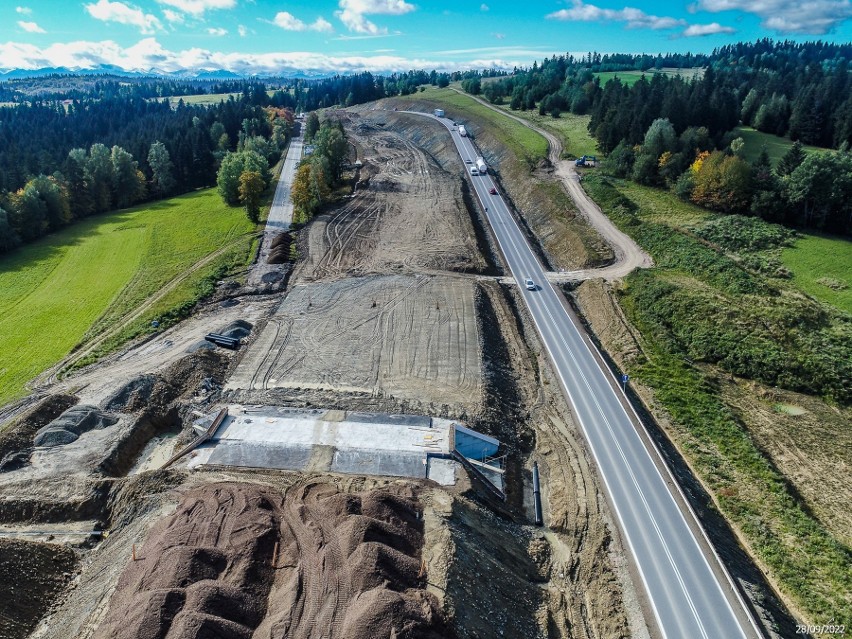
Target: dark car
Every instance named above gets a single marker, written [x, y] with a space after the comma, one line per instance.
[492, 191]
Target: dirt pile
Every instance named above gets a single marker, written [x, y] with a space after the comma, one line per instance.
[71, 424]
[31, 576]
[239, 560]
[17, 438]
[279, 250]
[154, 393]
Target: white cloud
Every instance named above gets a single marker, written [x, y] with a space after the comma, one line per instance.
[289, 22]
[241, 29]
[483, 7]
[352, 13]
[173, 16]
[706, 29]
[322, 25]
[30, 27]
[124, 14]
[24, 10]
[198, 7]
[499, 36]
[812, 17]
[217, 31]
[633, 18]
[148, 53]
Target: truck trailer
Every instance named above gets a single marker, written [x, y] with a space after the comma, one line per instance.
[462, 131]
[480, 164]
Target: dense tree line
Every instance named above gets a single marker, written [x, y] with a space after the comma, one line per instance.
[675, 132]
[321, 171]
[61, 162]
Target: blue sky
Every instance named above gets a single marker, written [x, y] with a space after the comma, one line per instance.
[385, 35]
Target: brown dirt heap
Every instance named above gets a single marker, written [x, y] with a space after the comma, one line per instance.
[239, 561]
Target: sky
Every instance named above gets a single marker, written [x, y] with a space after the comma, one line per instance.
[266, 36]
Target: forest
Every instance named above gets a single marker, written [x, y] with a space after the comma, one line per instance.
[74, 146]
[674, 132]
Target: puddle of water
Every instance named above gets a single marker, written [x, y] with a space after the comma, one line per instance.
[155, 454]
[790, 409]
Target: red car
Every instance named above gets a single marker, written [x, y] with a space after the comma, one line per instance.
[492, 191]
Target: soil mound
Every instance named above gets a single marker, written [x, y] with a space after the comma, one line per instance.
[280, 249]
[238, 329]
[71, 424]
[183, 378]
[16, 439]
[31, 576]
[241, 561]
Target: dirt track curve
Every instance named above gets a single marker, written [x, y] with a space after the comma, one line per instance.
[628, 254]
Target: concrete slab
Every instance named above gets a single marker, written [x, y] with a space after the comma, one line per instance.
[316, 440]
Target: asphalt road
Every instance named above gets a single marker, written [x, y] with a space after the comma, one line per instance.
[690, 599]
[280, 214]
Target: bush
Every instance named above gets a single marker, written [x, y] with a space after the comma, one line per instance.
[738, 233]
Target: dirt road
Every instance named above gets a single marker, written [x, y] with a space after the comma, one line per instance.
[628, 254]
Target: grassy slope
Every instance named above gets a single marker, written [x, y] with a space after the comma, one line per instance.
[525, 143]
[776, 146]
[572, 129]
[809, 564]
[632, 77]
[80, 280]
[816, 257]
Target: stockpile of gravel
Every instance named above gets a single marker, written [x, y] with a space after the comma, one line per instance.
[71, 424]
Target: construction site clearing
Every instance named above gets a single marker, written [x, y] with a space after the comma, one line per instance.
[359, 467]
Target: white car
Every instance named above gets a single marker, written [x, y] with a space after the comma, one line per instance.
[529, 284]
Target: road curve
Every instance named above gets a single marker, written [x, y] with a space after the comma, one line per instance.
[690, 598]
[628, 254]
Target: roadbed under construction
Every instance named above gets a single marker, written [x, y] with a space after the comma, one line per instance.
[394, 307]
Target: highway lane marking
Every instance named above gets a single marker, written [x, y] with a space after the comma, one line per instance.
[541, 304]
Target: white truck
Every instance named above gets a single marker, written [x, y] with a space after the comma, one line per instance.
[462, 131]
[439, 113]
[481, 166]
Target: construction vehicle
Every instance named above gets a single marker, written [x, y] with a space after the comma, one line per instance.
[586, 160]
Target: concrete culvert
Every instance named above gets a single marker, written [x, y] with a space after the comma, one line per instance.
[71, 424]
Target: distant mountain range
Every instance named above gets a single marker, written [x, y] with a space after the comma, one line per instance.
[108, 69]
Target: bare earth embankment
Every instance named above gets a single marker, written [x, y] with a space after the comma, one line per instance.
[392, 307]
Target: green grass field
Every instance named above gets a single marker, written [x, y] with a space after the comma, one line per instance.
[81, 280]
[822, 267]
[572, 129]
[632, 77]
[204, 99]
[776, 147]
[525, 142]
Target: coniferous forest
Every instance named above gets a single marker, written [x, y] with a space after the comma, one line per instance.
[73, 146]
[677, 132]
